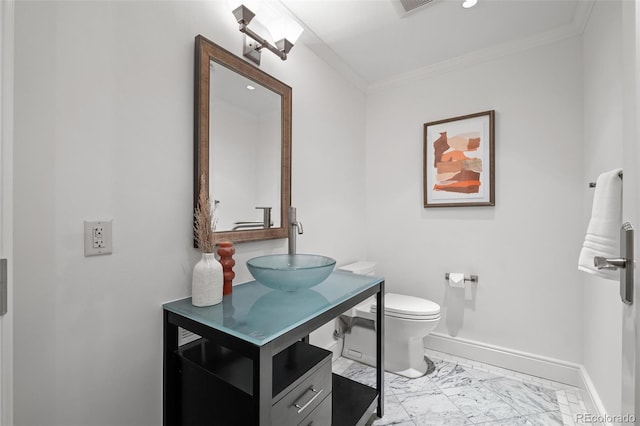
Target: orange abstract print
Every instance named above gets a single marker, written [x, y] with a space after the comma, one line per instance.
[456, 172]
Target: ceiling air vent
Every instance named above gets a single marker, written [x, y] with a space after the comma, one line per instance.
[411, 5]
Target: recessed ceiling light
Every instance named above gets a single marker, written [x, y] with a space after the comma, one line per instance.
[250, 87]
[469, 3]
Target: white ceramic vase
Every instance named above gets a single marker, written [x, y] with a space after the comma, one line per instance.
[206, 285]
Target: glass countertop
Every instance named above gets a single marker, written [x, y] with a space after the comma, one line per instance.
[258, 314]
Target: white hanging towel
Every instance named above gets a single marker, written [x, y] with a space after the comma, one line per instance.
[603, 233]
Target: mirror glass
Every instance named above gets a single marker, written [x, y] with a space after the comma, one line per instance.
[245, 142]
[243, 145]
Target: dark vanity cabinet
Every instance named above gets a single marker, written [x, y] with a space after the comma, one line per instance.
[217, 384]
[253, 364]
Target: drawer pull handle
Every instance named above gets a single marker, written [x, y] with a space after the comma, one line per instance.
[313, 398]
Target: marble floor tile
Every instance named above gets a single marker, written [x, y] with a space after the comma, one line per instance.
[361, 373]
[449, 375]
[394, 413]
[483, 375]
[366, 374]
[432, 409]
[514, 421]
[567, 420]
[401, 385]
[553, 418]
[526, 398]
[339, 365]
[465, 392]
[480, 404]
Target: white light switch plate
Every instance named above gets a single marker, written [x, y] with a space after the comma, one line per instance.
[98, 238]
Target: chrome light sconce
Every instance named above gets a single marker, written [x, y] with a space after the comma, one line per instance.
[283, 29]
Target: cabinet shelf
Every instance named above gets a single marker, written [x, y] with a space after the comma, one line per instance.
[236, 370]
[217, 362]
[217, 382]
[353, 402]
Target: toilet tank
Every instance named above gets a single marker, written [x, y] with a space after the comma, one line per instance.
[362, 267]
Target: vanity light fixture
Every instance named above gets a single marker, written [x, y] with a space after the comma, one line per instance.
[283, 31]
[467, 4]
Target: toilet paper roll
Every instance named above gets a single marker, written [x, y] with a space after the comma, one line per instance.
[456, 279]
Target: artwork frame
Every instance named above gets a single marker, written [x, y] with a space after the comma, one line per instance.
[459, 161]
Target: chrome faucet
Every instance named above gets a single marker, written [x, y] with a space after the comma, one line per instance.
[266, 216]
[247, 225]
[295, 228]
[266, 222]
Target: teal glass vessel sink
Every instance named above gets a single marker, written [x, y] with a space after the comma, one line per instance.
[290, 272]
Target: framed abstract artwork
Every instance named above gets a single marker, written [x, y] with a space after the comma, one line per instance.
[459, 165]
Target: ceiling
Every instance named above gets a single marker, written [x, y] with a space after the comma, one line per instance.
[373, 41]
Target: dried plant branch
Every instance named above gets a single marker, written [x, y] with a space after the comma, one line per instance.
[204, 226]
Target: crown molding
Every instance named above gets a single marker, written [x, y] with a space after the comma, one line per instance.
[478, 57]
[328, 55]
[314, 43]
[576, 27]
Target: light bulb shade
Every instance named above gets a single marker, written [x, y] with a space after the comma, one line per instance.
[243, 14]
[469, 3]
[284, 45]
[285, 28]
[261, 28]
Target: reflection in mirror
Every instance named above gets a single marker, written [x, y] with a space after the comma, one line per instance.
[243, 145]
[245, 142]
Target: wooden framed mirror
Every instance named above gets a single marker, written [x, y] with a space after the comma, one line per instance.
[242, 145]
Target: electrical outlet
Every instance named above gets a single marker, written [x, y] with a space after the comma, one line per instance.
[98, 237]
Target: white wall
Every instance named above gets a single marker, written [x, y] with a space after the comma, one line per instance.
[603, 107]
[525, 249]
[103, 128]
[233, 160]
[268, 186]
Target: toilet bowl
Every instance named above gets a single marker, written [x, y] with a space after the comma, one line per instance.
[407, 321]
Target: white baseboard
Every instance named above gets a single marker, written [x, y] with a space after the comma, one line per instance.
[535, 365]
[590, 388]
[531, 364]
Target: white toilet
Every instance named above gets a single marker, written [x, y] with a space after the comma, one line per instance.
[407, 321]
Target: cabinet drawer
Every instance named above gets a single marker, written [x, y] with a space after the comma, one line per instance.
[321, 416]
[304, 398]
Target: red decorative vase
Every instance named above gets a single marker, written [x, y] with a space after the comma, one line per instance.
[226, 252]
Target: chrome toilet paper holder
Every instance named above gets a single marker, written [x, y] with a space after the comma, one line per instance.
[471, 278]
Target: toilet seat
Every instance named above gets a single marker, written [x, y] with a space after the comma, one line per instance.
[413, 317]
[408, 307]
